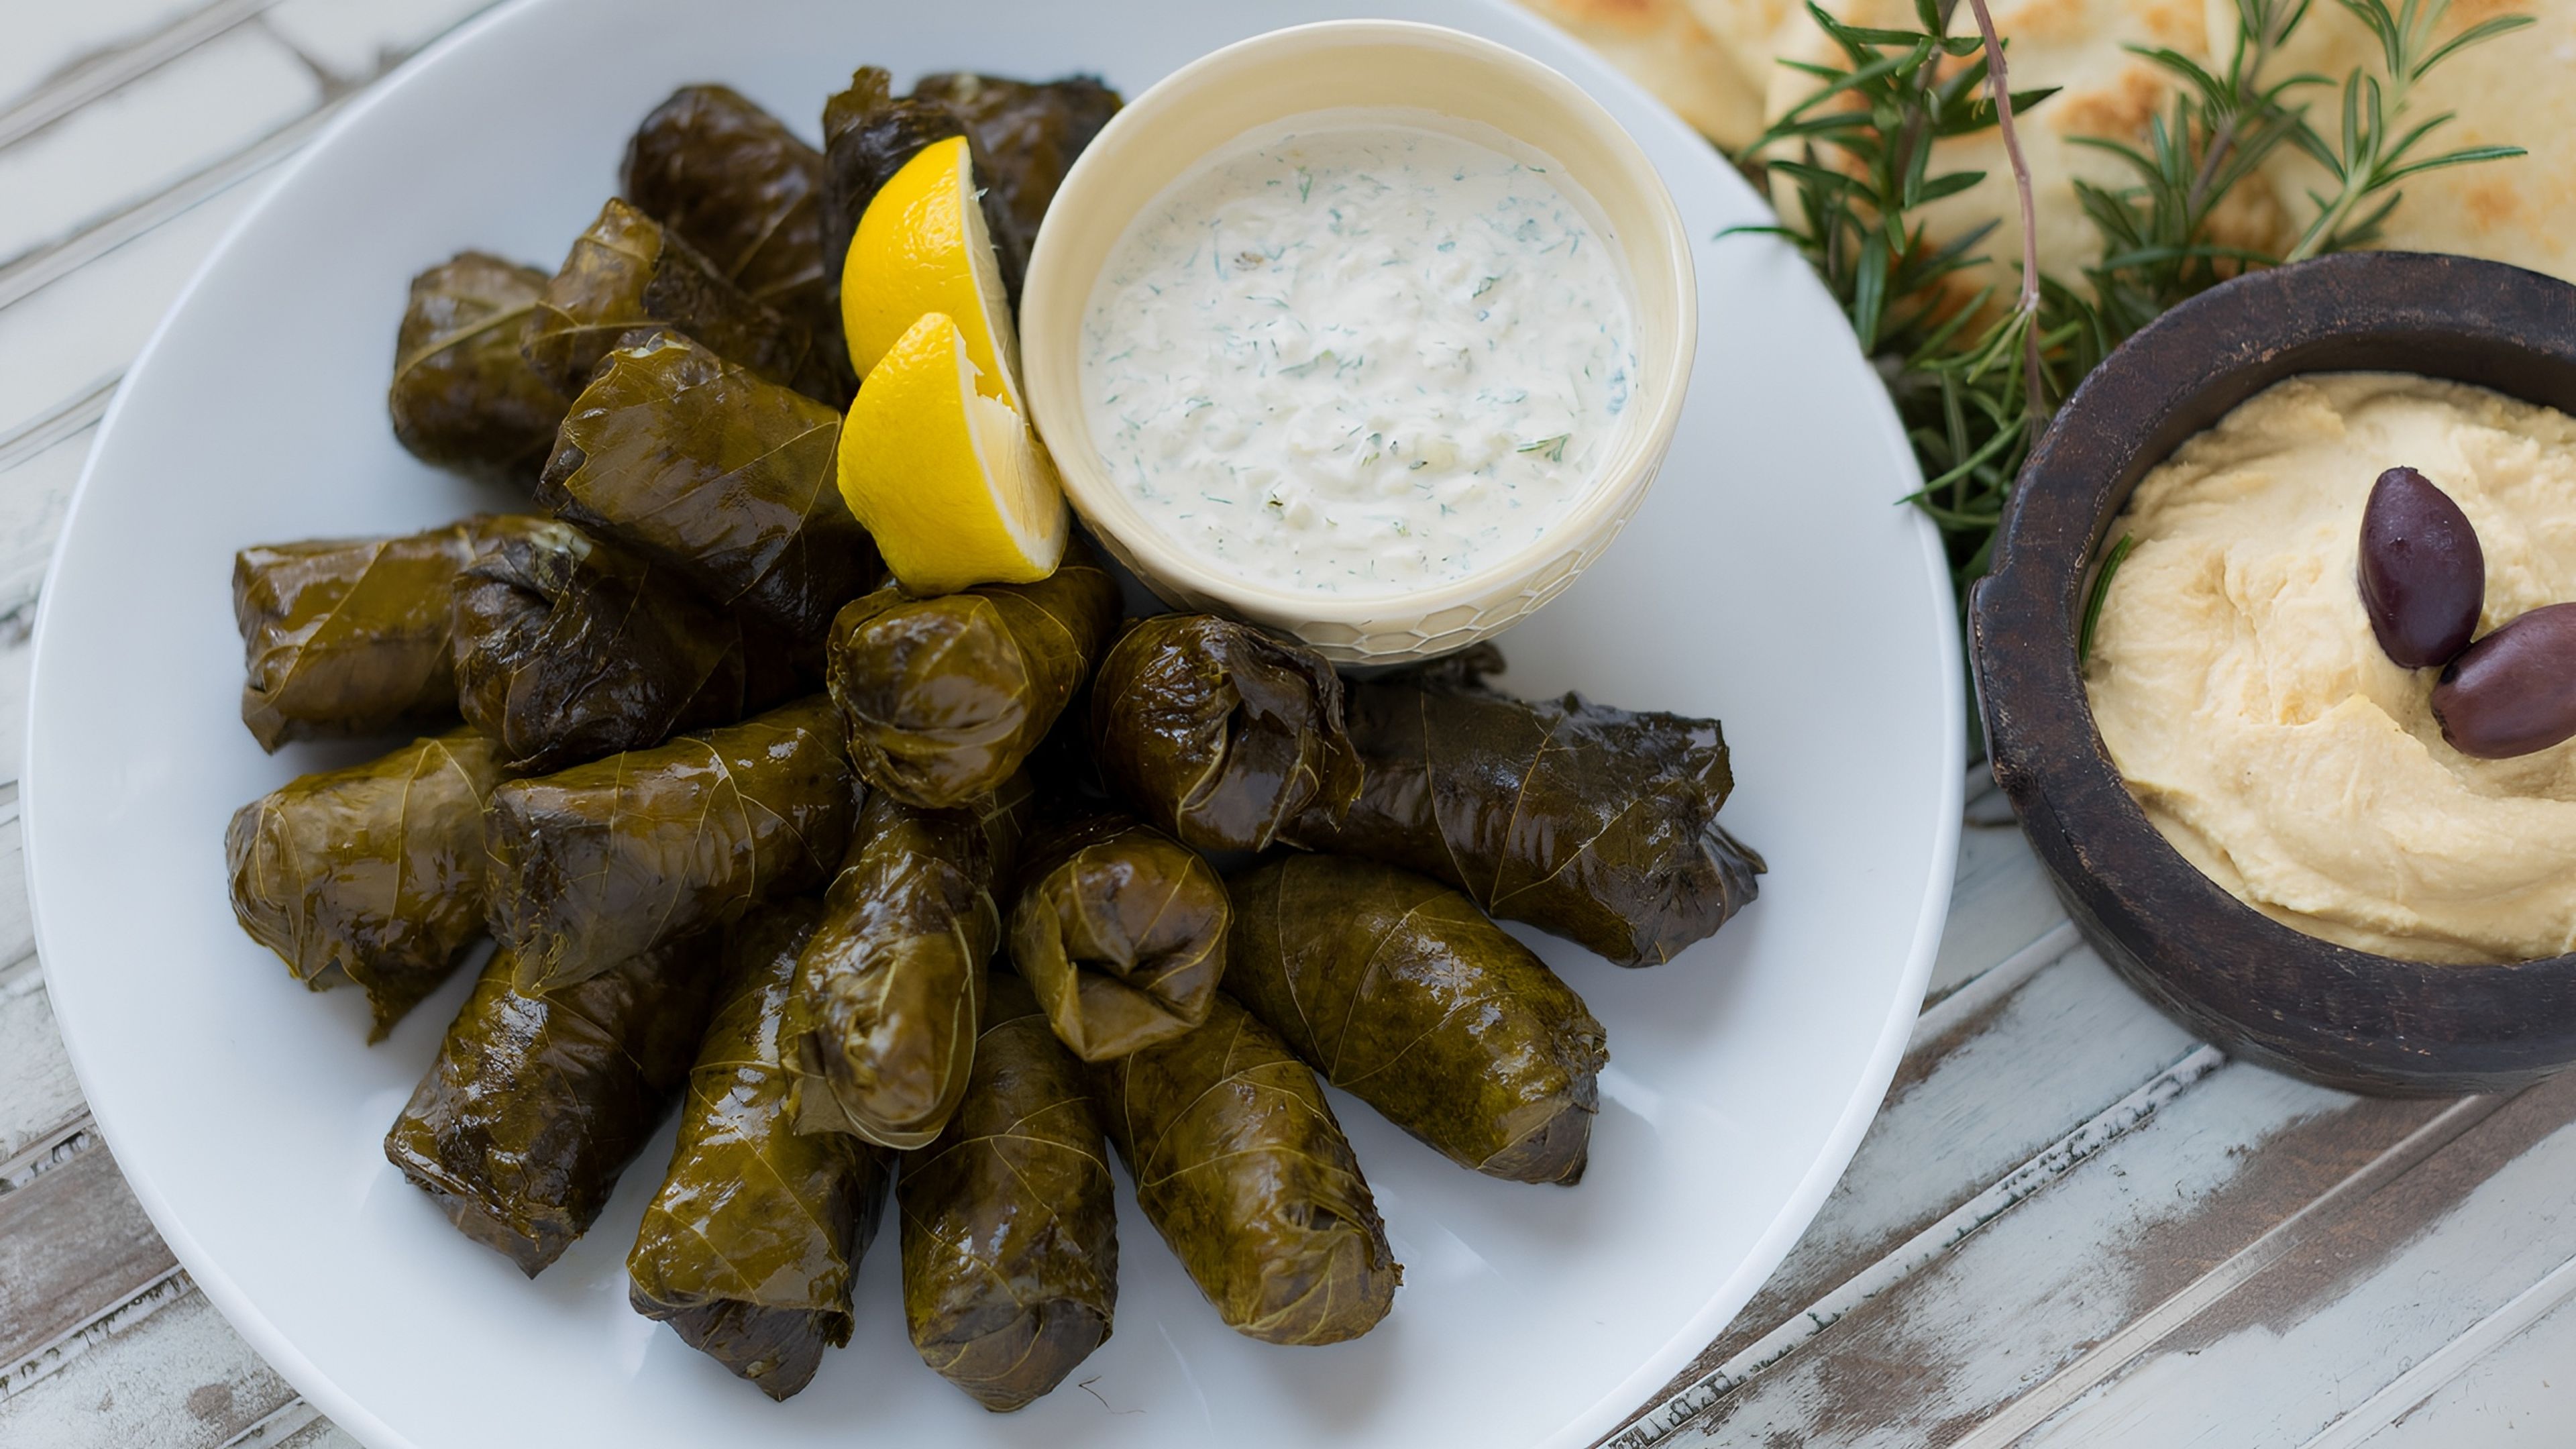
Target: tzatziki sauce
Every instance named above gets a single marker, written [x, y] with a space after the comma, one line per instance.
[1352, 354]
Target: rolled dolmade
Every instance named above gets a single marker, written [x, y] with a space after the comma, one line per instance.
[1121, 931]
[1219, 733]
[1403, 994]
[463, 395]
[736, 184]
[882, 1022]
[537, 1103]
[1010, 1222]
[942, 698]
[731, 481]
[602, 862]
[351, 636]
[372, 874]
[1596, 824]
[568, 648]
[628, 273]
[750, 1248]
[1241, 1167]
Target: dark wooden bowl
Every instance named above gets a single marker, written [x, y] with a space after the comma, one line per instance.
[2229, 973]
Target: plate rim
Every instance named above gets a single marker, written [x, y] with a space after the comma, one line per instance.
[1639, 1394]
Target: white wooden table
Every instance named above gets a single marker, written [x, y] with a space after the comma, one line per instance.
[2071, 1224]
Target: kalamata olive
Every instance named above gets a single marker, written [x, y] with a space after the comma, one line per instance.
[2514, 691]
[2423, 576]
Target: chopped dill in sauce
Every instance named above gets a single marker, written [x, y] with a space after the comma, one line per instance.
[1351, 355]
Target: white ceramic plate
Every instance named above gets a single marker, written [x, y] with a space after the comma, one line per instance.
[1772, 580]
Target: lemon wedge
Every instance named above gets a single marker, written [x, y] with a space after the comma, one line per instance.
[922, 247]
[952, 483]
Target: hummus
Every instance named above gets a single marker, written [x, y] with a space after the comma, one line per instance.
[2239, 689]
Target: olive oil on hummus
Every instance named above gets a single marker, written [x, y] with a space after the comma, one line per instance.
[2240, 690]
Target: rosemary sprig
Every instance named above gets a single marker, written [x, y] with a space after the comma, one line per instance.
[1974, 383]
[2156, 246]
[2376, 140]
[2101, 590]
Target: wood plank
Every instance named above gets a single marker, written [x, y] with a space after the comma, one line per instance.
[175, 1378]
[74, 1245]
[2376, 1284]
[355, 39]
[1995, 1075]
[323, 1434]
[2520, 1393]
[190, 114]
[296, 1425]
[59, 343]
[2029, 1296]
[17, 661]
[34, 496]
[53, 45]
[2001, 903]
[38, 1096]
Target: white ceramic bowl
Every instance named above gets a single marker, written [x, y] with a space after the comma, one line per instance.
[1363, 63]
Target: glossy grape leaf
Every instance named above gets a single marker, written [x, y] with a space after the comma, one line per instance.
[463, 394]
[607, 860]
[733, 182]
[1240, 1166]
[944, 697]
[1121, 931]
[732, 482]
[350, 636]
[536, 1103]
[1401, 993]
[1220, 733]
[881, 1025]
[372, 874]
[750, 1247]
[1588, 822]
[628, 273]
[568, 648]
[1010, 1222]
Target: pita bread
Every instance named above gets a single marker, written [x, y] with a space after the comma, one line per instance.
[1663, 47]
[2519, 90]
[2076, 45]
[1751, 32]
[1716, 62]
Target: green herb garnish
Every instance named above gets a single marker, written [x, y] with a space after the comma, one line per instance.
[2111, 562]
[1975, 384]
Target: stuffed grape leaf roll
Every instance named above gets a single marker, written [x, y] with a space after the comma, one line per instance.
[1121, 930]
[350, 636]
[463, 394]
[1219, 733]
[1403, 994]
[629, 273]
[605, 861]
[372, 874]
[732, 181]
[1010, 1223]
[1243, 1170]
[944, 697]
[869, 133]
[536, 1104]
[881, 1025]
[568, 648]
[1588, 822]
[700, 465]
[750, 1248]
